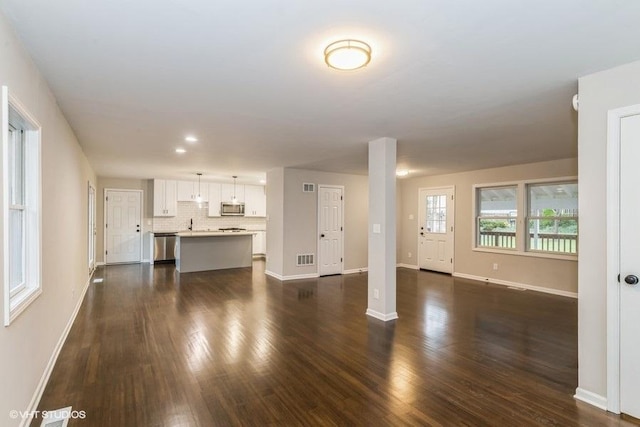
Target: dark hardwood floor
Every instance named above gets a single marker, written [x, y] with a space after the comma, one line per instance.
[151, 347]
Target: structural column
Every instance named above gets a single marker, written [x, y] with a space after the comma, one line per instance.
[382, 229]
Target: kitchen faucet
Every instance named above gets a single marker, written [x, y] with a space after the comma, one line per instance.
[191, 225]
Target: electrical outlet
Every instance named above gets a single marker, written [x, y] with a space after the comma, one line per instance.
[376, 294]
[410, 254]
[495, 265]
[410, 216]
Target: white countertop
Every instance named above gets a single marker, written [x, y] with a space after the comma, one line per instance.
[214, 233]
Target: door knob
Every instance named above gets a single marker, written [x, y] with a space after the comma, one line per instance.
[631, 280]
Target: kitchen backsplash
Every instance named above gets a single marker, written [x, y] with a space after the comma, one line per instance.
[201, 220]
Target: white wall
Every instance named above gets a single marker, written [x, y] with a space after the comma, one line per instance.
[301, 218]
[27, 345]
[275, 221]
[554, 274]
[599, 93]
[146, 186]
[292, 219]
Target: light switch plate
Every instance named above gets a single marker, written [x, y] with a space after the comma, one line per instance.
[376, 228]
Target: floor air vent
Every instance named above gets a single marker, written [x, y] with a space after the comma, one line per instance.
[304, 259]
[60, 417]
[308, 187]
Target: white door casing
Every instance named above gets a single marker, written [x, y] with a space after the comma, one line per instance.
[436, 229]
[330, 229]
[623, 246]
[123, 226]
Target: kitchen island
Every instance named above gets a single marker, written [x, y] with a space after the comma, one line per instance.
[213, 250]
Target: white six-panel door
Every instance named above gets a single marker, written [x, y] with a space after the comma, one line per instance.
[435, 234]
[629, 266]
[123, 231]
[330, 230]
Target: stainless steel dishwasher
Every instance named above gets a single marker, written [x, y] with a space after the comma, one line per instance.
[164, 247]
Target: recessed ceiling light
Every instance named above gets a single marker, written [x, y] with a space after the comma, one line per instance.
[180, 150]
[263, 181]
[347, 54]
[402, 172]
[191, 138]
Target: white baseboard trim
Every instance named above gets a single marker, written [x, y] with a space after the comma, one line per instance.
[355, 270]
[381, 316]
[591, 398]
[145, 261]
[100, 263]
[42, 384]
[272, 274]
[291, 277]
[412, 267]
[517, 285]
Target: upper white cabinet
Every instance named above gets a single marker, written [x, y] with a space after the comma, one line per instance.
[188, 191]
[165, 197]
[227, 192]
[255, 200]
[214, 199]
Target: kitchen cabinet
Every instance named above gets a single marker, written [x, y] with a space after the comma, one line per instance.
[165, 197]
[214, 199]
[188, 191]
[255, 201]
[227, 192]
[260, 243]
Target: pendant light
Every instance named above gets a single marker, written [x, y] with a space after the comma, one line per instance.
[199, 197]
[234, 199]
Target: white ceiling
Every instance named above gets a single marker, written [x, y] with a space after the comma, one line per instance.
[461, 84]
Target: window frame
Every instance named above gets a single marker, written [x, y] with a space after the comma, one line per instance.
[530, 217]
[521, 223]
[16, 118]
[479, 217]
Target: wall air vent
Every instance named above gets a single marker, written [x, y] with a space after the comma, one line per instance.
[304, 259]
[308, 187]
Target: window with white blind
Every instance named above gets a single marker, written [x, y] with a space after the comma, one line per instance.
[21, 207]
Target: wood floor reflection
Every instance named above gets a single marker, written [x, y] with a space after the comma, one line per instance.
[151, 347]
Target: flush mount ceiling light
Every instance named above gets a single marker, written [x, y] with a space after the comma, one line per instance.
[191, 138]
[402, 172]
[180, 150]
[347, 54]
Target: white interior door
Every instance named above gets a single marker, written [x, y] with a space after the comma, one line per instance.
[435, 238]
[330, 230]
[91, 231]
[629, 266]
[123, 233]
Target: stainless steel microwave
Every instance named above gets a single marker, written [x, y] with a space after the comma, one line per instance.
[231, 209]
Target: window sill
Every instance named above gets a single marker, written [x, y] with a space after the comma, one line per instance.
[20, 303]
[561, 257]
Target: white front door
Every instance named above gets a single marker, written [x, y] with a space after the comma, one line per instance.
[629, 266]
[330, 230]
[123, 233]
[435, 238]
